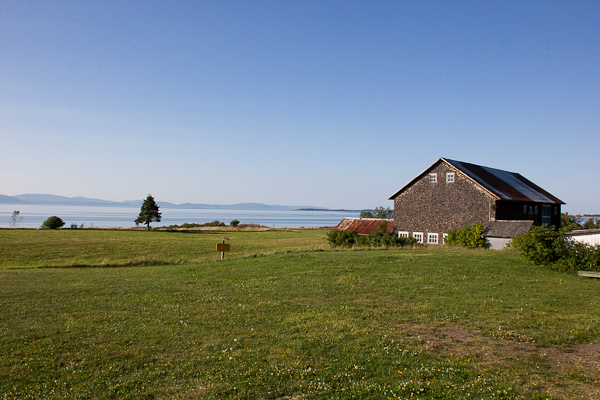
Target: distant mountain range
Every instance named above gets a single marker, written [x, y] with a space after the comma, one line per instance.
[49, 199]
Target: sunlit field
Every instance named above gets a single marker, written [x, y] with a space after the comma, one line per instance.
[110, 248]
[286, 318]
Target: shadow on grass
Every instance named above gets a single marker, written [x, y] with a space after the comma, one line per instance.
[140, 263]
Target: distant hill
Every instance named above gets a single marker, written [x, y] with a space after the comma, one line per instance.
[10, 200]
[50, 199]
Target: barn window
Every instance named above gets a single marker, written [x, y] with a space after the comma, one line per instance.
[536, 210]
[432, 178]
[432, 238]
[444, 236]
[403, 234]
[418, 236]
[450, 177]
[525, 209]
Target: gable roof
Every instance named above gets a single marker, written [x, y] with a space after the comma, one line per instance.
[502, 185]
[363, 226]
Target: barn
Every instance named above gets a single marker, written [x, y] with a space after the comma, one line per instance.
[451, 194]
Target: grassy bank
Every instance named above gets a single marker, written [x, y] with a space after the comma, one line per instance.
[427, 324]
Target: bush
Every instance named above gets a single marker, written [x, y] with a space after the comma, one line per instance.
[341, 238]
[214, 223]
[234, 223]
[469, 236]
[53, 222]
[550, 248]
[375, 239]
[541, 245]
[581, 257]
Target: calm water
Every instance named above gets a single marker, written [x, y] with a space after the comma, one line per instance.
[115, 217]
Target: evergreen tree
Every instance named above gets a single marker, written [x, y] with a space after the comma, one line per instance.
[53, 222]
[148, 213]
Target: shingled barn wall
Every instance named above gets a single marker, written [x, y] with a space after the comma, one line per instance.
[439, 207]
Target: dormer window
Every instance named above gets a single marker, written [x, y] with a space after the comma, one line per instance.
[450, 177]
[432, 178]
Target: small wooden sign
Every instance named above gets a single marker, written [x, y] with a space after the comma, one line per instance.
[223, 247]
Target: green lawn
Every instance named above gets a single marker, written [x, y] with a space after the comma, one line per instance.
[287, 318]
[108, 248]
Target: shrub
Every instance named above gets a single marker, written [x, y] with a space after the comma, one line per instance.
[188, 225]
[214, 223]
[53, 222]
[580, 257]
[234, 223]
[541, 245]
[550, 248]
[375, 239]
[341, 238]
[385, 239]
[469, 236]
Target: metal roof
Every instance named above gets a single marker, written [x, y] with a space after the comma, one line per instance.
[363, 226]
[583, 232]
[501, 184]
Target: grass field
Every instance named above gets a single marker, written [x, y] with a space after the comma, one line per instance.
[111, 248]
[285, 317]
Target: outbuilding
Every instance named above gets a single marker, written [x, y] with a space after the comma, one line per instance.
[364, 226]
[588, 236]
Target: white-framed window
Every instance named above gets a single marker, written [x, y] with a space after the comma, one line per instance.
[402, 234]
[432, 238]
[444, 236]
[418, 236]
[433, 178]
[450, 177]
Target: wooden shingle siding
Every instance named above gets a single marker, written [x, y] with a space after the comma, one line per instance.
[441, 206]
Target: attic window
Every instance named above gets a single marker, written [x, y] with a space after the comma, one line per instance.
[432, 178]
[450, 177]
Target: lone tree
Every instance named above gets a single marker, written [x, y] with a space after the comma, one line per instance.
[53, 222]
[16, 217]
[148, 213]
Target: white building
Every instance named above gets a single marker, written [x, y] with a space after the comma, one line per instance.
[589, 236]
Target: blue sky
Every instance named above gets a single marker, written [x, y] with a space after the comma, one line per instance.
[331, 103]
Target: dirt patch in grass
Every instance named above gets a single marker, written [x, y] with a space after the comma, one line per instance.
[562, 372]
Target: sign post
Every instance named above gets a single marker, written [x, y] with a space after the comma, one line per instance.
[223, 247]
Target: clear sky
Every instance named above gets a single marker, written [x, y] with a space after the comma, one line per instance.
[328, 103]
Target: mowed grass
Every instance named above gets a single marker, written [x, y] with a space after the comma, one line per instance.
[301, 324]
